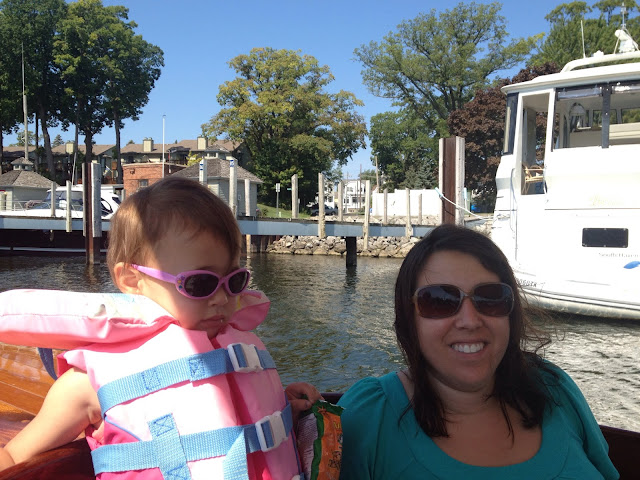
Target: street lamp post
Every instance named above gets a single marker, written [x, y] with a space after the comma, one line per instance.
[163, 118]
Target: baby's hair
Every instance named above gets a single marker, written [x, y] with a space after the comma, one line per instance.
[173, 203]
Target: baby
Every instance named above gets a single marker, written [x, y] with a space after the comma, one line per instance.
[170, 383]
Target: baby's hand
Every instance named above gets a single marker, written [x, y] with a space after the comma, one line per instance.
[301, 396]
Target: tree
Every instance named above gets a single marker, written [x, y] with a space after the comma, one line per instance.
[132, 67]
[481, 123]
[569, 21]
[84, 43]
[433, 64]
[406, 149]
[278, 106]
[32, 25]
[10, 88]
[57, 141]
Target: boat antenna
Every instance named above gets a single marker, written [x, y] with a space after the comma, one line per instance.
[624, 38]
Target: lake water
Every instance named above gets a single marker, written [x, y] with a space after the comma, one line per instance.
[330, 325]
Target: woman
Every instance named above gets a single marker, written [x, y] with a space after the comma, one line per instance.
[476, 400]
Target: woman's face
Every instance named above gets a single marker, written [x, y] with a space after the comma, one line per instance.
[464, 350]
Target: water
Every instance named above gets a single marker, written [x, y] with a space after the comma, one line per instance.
[330, 325]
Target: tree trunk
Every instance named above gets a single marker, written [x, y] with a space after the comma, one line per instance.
[36, 155]
[116, 123]
[1, 149]
[46, 140]
[75, 145]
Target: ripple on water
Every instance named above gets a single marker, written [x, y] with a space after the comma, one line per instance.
[331, 326]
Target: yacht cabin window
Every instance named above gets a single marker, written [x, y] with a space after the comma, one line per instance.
[597, 116]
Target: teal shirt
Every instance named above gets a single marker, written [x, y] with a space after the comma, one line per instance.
[377, 447]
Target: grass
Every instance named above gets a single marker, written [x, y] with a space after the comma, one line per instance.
[271, 212]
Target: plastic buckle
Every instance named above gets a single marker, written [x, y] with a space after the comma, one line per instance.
[249, 360]
[278, 432]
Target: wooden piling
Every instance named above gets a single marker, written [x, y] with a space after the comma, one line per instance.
[352, 251]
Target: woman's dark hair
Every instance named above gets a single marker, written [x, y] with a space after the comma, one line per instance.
[518, 382]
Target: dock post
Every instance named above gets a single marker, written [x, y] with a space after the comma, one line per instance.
[419, 209]
[321, 229]
[384, 211]
[408, 229]
[233, 185]
[294, 196]
[340, 199]
[247, 198]
[367, 207]
[451, 178]
[53, 199]
[68, 209]
[352, 251]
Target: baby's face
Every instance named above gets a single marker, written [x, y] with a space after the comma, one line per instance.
[181, 251]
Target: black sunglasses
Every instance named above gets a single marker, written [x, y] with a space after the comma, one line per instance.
[440, 301]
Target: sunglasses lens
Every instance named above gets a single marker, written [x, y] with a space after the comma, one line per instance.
[238, 281]
[438, 301]
[493, 299]
[200, 284]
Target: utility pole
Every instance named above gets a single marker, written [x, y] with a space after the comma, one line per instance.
[163, 118]
[24, 108]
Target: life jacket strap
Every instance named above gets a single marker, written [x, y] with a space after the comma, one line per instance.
[170, 452]
[199, 366]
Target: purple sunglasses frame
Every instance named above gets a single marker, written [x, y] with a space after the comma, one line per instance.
[178, 280]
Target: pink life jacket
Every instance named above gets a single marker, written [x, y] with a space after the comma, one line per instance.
[175, 404]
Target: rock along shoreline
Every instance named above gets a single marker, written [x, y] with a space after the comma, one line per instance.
[382, 247]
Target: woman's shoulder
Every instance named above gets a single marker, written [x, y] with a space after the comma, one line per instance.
[369, 389]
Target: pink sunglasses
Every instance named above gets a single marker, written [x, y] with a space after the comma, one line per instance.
[200, 284]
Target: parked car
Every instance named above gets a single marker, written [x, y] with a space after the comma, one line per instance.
[314, 209]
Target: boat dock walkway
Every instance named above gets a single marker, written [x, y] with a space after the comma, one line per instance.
[248, 226]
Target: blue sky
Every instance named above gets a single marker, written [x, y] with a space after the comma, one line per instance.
[199, 37]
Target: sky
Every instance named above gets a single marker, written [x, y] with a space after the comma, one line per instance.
[200, 37]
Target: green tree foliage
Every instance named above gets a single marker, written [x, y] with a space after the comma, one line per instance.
[10, 87]
[132, 67]
[599, 22]
[32, 25]
[433, 64]
[481, 123]
[430, 67]
[407, 151]
[278, 106]
[57, 141]
[81, 47]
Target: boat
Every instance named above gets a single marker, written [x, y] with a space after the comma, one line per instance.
[109, 203]
[24, 384]
[567, 211]
[34, 231]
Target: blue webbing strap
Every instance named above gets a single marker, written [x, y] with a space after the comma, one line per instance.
[46, 355]
[195, 367]
[170, 452]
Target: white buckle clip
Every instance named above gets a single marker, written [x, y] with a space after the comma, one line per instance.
[249, 361]
[278, 432]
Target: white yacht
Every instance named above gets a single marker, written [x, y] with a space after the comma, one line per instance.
[567, 211]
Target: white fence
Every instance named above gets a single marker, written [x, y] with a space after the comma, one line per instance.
[397, 203]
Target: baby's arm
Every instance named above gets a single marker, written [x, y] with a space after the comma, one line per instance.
[70, 406]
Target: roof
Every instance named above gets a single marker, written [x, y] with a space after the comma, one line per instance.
[21, 161]
[96, 149]
[192, 145]
[217, 168]
[21, 178]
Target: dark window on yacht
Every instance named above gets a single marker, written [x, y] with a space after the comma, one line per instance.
[510, 123]
[605, 237]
